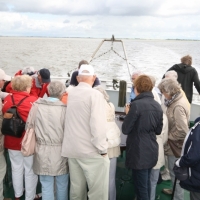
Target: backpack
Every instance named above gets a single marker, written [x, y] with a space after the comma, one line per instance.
[12, 124]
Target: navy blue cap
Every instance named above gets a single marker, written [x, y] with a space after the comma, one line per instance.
[45, 74]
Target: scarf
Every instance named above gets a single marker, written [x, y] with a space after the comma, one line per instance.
[168, 102]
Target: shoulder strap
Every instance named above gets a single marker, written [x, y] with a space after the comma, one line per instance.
[19, 102]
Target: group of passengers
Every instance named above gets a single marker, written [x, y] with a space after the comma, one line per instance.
[77, 137]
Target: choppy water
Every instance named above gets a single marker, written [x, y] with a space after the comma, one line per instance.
[61, 55]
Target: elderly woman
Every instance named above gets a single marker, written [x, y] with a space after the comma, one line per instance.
[21, 166]
[178, 118]
[113, 138]
[48, 116]
[142, 123]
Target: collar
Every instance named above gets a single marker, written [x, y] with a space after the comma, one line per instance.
[23, 93]
[83, 84]
[52, 99]
[37, 83]
[144, 95]
[170, 101]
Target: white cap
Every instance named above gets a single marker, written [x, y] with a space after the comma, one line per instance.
[87, 70]
[3, 76]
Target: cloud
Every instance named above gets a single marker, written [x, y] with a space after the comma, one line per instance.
[105, 7]
[3, 7]
[101, 18]
[66, 21]
[84, 21]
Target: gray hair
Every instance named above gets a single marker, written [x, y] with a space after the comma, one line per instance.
[137, 73]
[28, 70]
[56, 89]
[105, 94]
[153, 80]
[169, 86]
[171, 74]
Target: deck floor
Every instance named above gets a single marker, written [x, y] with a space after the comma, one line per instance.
[124, 184]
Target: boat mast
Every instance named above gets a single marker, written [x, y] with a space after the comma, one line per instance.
[112, 40]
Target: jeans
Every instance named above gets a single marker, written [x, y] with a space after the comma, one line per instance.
[112, 172]
[61, 184]
[179, 192]
[153, 181]
[141, 179]
[194, 195]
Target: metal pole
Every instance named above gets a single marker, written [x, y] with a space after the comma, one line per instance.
[96, 51]
[126, 58]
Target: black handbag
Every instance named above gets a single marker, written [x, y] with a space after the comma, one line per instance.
[181, 173]
[12, 123]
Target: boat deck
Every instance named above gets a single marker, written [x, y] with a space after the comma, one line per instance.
[124, 184]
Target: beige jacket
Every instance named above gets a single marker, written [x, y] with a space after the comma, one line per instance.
[85, 123]
[178, 119]
[49, 127]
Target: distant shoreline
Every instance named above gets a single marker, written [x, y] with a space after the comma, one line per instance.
[46, 37]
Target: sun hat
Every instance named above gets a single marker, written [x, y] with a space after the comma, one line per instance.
[4, 76]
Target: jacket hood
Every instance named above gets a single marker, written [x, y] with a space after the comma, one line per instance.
[53, 103]
[183, 68]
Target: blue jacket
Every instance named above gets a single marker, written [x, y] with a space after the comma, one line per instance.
[191, 158]
[132, 95]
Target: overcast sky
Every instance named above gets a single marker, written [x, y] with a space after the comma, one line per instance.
[150, 19]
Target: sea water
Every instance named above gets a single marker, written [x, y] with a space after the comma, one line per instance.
[62, 55]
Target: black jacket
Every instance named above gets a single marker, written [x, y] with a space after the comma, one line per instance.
[191, 159]
[143, 122]
[187, 75]
[74, 81]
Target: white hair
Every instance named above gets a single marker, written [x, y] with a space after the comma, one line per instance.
[169, 86]
[171, 74]
[137, 73]
[153, 79]
[56, 89]
[28, 70]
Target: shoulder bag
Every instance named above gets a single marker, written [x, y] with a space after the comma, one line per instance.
[29, 140]
[176, 147]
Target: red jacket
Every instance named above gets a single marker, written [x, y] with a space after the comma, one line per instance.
[9, 141]
[38, 92]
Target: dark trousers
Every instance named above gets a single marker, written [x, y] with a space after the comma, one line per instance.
[141, 179]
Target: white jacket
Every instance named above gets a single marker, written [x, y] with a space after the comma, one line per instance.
[112, 130]
[161, 140]
[85, 123]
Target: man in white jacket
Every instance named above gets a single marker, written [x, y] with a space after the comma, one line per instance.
[84, 140]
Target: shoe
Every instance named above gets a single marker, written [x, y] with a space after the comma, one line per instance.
[38, 196]
[7, 199]
[166, 176]
[167, 191]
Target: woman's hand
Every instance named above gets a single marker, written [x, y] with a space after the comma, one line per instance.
[127, 108]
